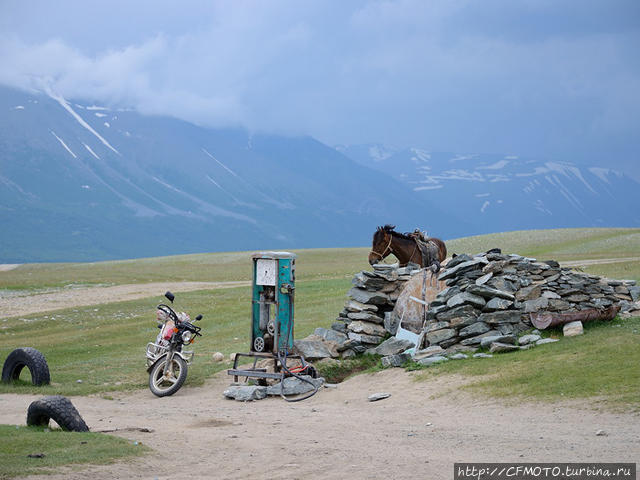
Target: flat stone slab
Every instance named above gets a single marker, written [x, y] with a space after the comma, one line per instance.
[498, 304]
[365, 316]
[487, 341]
[392, 346]
[482, 355]
[465, 298]
[489, 292]
[355, 306]
[439, 336]
[312, 349]
[542, 341]
[294, 386]
[245, 393]
[395, 360]
[495, 318]
[527, 339]
[358, 326]
[471, 264]
[463, 311]
[363, 338]
[474, 329]
[432, 360]
[428, 352]
[367, 297]
[374, 397]
[331, 335]
[478, 338]
[458, 356]
[497, 347]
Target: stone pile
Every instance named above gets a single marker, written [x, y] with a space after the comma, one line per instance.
[365, 318]
[364, 321]
[484, 301]
[490, 296]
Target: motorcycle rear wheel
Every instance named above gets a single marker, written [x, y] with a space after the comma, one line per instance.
[162, 385]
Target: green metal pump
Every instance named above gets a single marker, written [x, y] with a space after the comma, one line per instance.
[273, 294]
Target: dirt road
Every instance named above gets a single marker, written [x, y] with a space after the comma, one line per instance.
[419, 432]
[27, 304]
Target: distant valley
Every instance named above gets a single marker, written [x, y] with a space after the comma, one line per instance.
[82, 182]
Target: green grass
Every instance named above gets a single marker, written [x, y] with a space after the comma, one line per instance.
[602, 365]
[559, 244]
[562, 244]
[59, 448]
[626, 270]
[209, 267]
[103, 346]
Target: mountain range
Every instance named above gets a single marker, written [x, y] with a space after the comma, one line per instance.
[84, 182]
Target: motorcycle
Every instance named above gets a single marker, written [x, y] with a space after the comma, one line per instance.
[167, 360]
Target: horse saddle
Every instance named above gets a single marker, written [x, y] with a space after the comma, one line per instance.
[428, 250]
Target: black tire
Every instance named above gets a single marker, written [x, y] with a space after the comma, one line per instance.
[30, 358]
[58, 408]
[161, 386]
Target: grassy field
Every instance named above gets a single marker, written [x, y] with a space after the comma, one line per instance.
[59, 448]
[103, 345]
[565, 244]
[601, 365]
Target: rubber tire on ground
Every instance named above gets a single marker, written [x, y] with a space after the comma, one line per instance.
[30, 358]
[58, 408]
[156, 372]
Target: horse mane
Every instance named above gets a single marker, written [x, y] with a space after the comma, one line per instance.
[390, 229]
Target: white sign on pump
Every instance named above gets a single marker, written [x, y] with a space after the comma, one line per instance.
[266, 272]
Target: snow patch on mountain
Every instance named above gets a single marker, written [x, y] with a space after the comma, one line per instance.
[206, 206]
[11, 184]
[539, 205]
[220, 163]
[378, 154]
[80, 120]
[601, 173]
[420, 155]
[63, 144]
[495, 166]
[90, 151]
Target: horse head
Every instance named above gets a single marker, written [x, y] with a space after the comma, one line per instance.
[381, 244]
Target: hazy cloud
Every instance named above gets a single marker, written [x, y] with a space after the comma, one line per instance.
[552, 78]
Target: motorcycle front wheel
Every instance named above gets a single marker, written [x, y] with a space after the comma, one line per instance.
[161, 384]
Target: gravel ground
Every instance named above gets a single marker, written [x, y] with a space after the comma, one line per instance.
[418, 432]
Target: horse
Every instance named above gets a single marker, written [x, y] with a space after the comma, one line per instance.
[407, 248]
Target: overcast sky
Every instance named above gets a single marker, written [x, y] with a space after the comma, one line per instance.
[555, 79]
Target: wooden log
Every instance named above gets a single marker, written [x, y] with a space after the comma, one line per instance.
[544, 320]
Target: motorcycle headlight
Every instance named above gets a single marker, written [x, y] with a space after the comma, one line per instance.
[186, 336]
